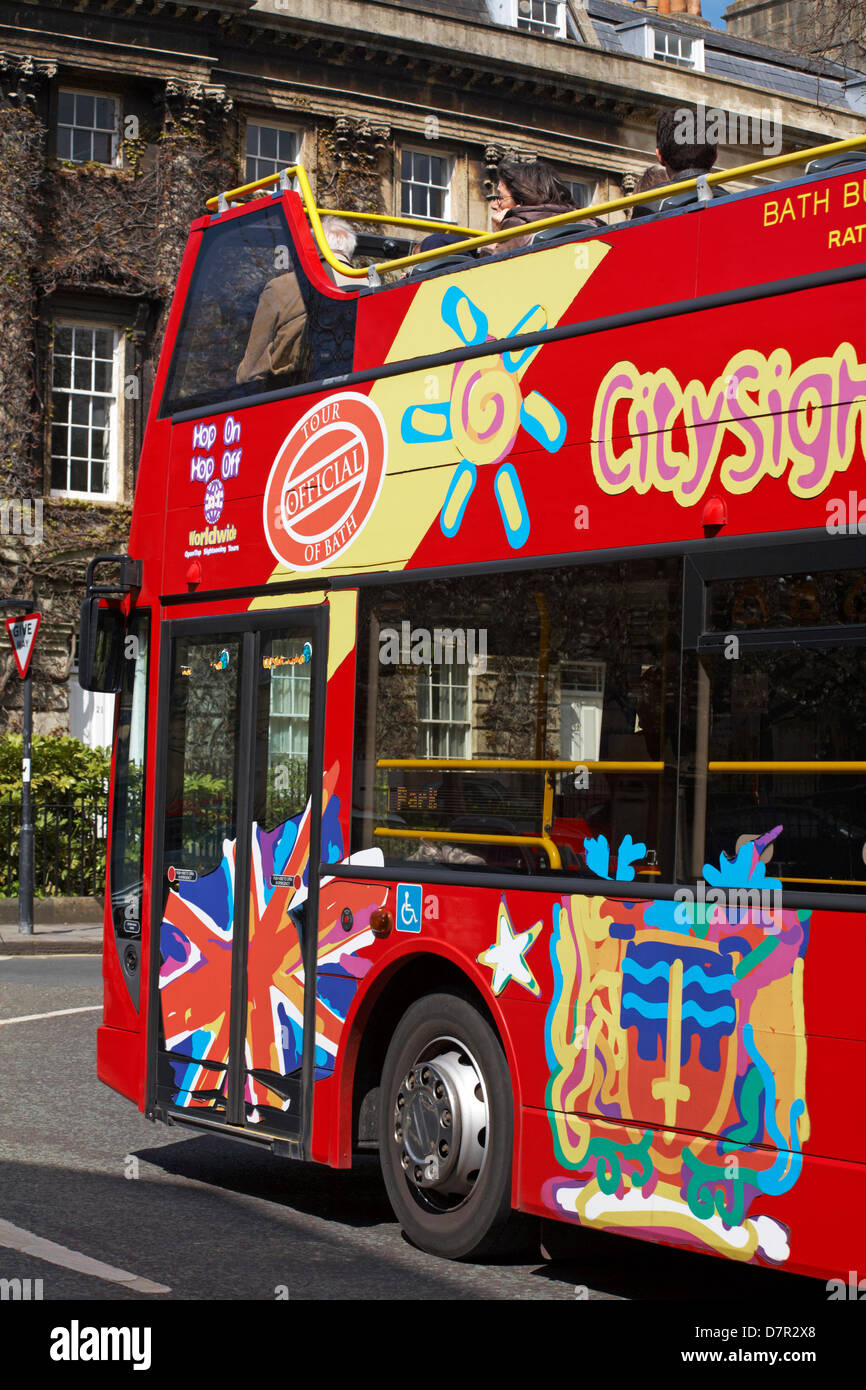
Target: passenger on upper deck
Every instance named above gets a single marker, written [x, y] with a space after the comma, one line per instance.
[277, 333]
[342, 241]
[681, 158]
[653, 176]
[525, 193]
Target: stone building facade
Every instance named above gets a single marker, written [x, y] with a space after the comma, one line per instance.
[118, 118]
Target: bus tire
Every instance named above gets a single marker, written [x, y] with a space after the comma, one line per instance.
[446, 1129]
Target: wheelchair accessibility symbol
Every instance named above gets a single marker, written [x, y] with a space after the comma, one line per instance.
[409, 897]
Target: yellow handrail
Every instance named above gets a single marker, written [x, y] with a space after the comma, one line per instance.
[476, 240]
[787, 766]
[423, 224]
[522, 764]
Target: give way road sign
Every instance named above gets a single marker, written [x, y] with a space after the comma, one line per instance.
[22, 634]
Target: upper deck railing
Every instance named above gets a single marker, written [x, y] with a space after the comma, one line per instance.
[474, 240]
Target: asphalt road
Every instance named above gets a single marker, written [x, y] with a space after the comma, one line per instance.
[211, 1219]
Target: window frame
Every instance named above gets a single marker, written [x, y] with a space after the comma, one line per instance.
[115, 410]
[572, 183]
[539, 28]
[258, 123]
[116, 153]
[446, 189]
[429, 726]
[657, 33]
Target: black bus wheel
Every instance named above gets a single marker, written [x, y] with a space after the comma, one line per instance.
[446, 1128]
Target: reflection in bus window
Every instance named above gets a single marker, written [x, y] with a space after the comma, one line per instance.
[201, 773]
[781, 719]
[526, 668]
[787, 600]
[282, 786]
[127, 836]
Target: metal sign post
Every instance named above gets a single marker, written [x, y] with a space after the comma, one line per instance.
[22, 634]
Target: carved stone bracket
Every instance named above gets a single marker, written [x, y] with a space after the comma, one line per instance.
[359, 144]
[628, 184]
[492, 156]
[21, 76]
[194, 108]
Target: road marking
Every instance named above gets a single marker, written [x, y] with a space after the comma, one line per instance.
[56, 1013]
[16, 1238]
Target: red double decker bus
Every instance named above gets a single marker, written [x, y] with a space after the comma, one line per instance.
[490, 771]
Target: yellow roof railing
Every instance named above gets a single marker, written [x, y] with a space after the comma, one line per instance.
[474, 240]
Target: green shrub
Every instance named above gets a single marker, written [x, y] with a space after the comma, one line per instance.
[63, 771]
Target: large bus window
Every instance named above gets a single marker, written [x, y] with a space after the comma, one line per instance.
[486, 685]
[773, 743]
[202, 773]
[252, 320]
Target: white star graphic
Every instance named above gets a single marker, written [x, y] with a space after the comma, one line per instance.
[506, 956]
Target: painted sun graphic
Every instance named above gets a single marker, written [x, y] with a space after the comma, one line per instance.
[484, 414]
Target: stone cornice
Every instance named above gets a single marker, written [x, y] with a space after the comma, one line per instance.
[418, 47]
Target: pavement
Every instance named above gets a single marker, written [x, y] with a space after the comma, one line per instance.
[55, 938]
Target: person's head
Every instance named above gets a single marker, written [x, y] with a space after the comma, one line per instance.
[652, 177]
[678, 144]
[339, 236]
[436, 240]
[530, 185]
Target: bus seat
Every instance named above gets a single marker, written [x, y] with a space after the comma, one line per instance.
[510, 857]
[850, 159]
[681, 200]
[553, 236]
[418, 272]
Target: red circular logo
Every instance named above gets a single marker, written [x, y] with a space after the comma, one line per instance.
[325, 481]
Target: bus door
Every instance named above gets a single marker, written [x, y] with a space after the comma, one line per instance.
[242, 716]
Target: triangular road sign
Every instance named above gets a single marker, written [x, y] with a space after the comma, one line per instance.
[22, 634]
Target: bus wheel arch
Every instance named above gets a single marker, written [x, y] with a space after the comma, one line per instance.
[410, 979]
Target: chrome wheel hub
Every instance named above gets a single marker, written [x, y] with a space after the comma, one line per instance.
[441, 1121]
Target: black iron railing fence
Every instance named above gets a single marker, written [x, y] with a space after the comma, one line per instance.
[69, 844]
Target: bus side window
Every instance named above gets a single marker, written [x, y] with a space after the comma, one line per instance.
[520, 670]
[253, 321]
[771, 728]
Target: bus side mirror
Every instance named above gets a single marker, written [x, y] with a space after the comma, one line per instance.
[101, 644]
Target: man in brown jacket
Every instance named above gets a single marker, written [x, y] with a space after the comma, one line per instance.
[276, 336]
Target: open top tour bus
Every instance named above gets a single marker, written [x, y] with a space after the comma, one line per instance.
[490, 768]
